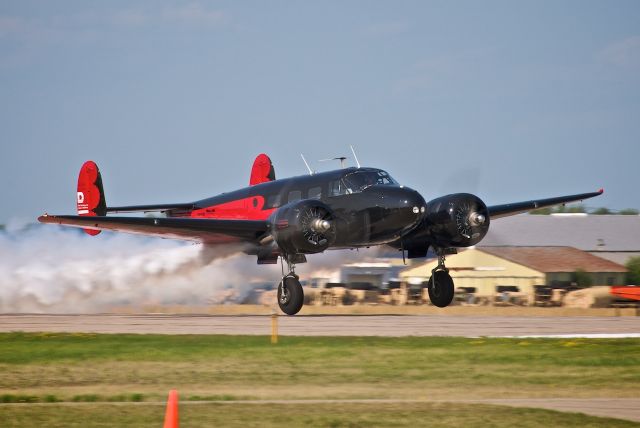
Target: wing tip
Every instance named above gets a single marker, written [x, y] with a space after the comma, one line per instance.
[48, 218]
[601, 190]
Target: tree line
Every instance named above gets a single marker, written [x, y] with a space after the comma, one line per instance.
[576, 209]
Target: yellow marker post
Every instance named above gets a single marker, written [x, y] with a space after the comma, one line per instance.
[274, 328]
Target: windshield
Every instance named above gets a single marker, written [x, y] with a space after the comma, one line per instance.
[360, 180]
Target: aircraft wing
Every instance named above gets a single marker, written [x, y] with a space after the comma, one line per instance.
[504, 210]
[209, 231]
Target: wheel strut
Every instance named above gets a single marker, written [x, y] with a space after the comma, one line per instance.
[441, 260]
[291, 267]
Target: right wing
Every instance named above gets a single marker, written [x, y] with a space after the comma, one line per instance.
[209, 231]
[504, 210]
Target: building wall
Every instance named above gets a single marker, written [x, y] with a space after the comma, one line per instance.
[474, 268]
[597, 278]
[373, 279]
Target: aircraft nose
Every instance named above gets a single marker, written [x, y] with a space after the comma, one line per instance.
[414, 201]
[410, 204]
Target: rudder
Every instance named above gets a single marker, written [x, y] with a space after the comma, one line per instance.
[90, 196]
[262, 170]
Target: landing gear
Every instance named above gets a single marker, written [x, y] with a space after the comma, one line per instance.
[290, 294]
[441, 284]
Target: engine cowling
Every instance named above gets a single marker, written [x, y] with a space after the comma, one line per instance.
[303, 227]
[456, 220]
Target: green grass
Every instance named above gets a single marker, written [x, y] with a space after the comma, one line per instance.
[110, 377]
[247, 367]
[297, 415]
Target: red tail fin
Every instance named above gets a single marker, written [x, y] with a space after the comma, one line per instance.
[91, 201]
[262, 170]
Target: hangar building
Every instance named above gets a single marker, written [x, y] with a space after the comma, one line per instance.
[613, 237]
[487, 270]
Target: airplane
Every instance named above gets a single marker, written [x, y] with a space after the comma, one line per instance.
[347, 208]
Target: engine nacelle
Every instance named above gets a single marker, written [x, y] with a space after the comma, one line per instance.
[457, 220]
[303, 227]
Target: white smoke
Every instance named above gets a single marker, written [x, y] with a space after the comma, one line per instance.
[62, 270]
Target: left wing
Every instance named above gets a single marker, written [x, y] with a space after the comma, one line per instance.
[209, 231]
[504, 210]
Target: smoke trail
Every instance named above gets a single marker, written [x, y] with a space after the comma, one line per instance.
[53, 269]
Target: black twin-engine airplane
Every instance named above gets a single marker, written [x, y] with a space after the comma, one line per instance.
[347, 208]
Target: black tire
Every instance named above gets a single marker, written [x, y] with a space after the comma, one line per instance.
[441, 289]
[291, 296]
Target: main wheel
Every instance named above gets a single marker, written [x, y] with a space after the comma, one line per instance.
[290, 295]
[441, 288]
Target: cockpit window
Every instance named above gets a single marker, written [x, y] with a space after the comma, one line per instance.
[360, 180]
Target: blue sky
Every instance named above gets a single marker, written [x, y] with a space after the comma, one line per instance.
[173, 100]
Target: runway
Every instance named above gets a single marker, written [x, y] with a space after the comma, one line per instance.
[329, 325]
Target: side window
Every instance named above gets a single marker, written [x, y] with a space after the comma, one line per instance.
[295, 195]
[336, 188]
[315, 193]
[273, 201]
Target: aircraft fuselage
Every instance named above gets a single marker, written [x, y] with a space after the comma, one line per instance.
[366, 214]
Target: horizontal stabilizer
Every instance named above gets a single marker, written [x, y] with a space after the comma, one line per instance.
[150, 208]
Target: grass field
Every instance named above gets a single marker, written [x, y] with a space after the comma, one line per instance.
[116, 378]
[307, 415]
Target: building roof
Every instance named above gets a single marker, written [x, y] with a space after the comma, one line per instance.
[585, 232]
[554, 259]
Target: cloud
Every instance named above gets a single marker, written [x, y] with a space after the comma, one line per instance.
[194, 14]
[77, 25]
[412, 84]
[623, 53]
[190, 15]
[21, 29]
[390, 28]
[28, 35]
[10, 25]
[429, 73]
[131, 18]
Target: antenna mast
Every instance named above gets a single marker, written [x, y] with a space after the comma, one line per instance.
[354, 156]
[307, 165]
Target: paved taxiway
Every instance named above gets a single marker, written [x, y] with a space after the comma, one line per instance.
[331, 325]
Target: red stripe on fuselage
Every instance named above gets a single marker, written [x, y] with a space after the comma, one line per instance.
[251, 208]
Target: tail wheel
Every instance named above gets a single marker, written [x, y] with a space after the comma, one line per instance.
[441, 288]
[290, 295]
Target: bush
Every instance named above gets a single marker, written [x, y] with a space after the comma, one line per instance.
[629, 211]
[582, 278]
[633, 275]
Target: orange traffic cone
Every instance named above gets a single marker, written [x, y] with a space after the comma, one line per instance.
[171, 415]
